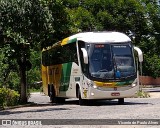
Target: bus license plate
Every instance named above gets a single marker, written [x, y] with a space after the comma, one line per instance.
[115, 94]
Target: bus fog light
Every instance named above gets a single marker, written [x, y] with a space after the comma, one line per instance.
[92, 94]
[94, 86]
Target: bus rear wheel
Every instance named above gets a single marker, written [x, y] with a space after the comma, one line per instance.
[53, 97]
[59, 100]
[51, 93]
[121, 101]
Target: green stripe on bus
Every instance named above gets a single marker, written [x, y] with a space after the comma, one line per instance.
[72, 41]
[124, 83]
[66, 74]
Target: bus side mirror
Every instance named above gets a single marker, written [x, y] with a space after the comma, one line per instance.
[140, 54]
[85, 55]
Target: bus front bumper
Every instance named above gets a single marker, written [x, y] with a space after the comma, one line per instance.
[94, 93]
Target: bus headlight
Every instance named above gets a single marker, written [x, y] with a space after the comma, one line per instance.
[133, 85]
[92, 94]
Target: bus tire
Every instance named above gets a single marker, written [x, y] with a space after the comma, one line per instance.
[48, 90]
[52, 94]
[81, 101]
[121, 101]
[59, 100]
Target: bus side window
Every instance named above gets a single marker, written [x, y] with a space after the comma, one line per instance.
[69, 53]
[73, 53]
[76, 58]
[60, 55]
[45, 58]
[81, 44]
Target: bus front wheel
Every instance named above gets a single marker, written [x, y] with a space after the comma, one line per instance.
[81, 101]
[121, 101]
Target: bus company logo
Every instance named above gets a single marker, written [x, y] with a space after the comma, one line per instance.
[6, 122]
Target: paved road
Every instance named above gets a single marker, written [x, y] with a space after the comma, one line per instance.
[134, 108]
[156, 89]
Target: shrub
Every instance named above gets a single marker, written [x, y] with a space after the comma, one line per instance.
[142, 94]
[8, 97]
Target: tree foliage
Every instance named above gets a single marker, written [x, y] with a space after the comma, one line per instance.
[140, 18]
[26, 25]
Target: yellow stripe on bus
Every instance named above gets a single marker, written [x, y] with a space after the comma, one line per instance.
[105, 84]
[64, 42]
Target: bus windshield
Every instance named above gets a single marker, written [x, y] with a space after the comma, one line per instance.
[111, 61]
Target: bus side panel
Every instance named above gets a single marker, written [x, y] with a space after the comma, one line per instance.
[56, 71]
[75, 79]
[70, 76]
[54, 77]
[50, 74]
[65, 78]
[45, 79]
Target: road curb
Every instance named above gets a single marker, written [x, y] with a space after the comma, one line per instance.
[17, 106]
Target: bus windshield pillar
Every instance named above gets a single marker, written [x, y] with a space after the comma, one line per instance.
[85, 55]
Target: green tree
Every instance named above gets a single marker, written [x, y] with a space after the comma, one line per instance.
[29, 24]
[80, 20]
[7, 67]
[34, 74]
[140, 17]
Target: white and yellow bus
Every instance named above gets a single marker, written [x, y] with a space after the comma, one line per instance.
[91, 65]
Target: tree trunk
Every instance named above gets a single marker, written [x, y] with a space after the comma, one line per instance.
[23, 83]
[23, 93]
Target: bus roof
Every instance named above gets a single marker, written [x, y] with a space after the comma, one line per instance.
[101, 37]
[94, 37]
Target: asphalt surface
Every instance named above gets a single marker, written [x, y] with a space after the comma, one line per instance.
[135, 109]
